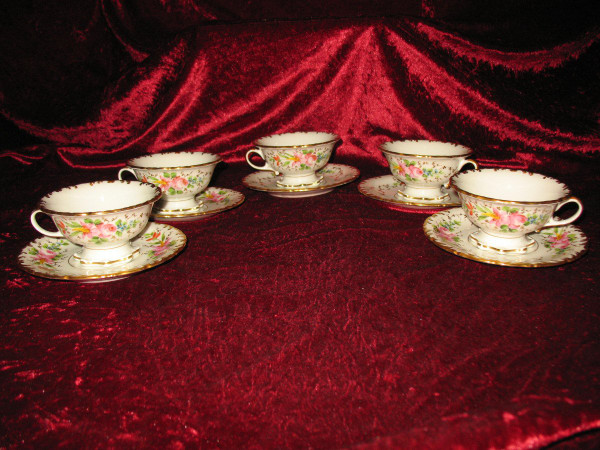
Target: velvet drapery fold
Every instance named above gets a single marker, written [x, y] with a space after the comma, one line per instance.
[325, 322]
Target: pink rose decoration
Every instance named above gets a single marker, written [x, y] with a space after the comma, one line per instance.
[446, 234]
[104, 230]
[160, 249]
[45, 256]
[415, 171]
[401, 168]
[559, 241]
[179, 183]
[309, 159]
[214, 196]
[512, 220]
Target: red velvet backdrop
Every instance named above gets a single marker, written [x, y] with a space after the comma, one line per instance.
[323, 322]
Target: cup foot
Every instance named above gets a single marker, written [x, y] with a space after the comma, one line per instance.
[308, 182]
[173, 208]
[517, 246]
[82, 259]
[436, 198]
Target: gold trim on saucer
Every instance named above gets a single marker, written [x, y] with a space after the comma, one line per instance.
[203, 212]
[322, 186]
[166, 256]
[429, 223]
[397, 201]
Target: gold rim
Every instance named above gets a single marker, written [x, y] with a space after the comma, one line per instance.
[468, 153]
[157, 196]
[321, 187]
[335, 139]
[512, 202]
[428, 222]
[401, 202]
[115, 274]
[133, 166]
[159, 216]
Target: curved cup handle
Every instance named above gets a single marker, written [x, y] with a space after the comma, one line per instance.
[558, 223]
[259, 152]
[126, 169]
[462, 164]
[40, 229]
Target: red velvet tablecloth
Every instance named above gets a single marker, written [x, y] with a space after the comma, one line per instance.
[323, 322]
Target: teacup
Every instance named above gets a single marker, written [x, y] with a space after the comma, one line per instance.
[181, 176]
[508, 205]
[295, 156]
[102, 217]
[424, 167]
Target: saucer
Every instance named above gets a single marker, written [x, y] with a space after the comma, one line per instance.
[216, 200]
[334, 175]
[51, 257]
[384, 189]
[450, 231]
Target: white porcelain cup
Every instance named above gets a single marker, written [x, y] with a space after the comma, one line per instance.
[424, 167]
[102, 217]
[295, 156]
[181, 176]
[508, 205]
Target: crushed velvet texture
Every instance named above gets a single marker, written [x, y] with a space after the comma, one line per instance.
[324, 322]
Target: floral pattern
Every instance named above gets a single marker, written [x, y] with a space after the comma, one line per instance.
[558, 240]
[446, 230]
[49, 253]
[216, 196]
[297, 159]
[159, 243]
[410, 171]
[508, 219]
[97, 231]
[559, 245]
[171, 184]
[51, 257]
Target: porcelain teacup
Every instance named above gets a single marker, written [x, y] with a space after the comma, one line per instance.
[295, 156]
[508, 205]
[102, 217]
[181, 176]
[424, 167]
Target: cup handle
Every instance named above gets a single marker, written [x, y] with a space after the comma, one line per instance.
[40, 229]
[462, 164]
[259, 153]
[126, 169]
[553, 222]
[468, 161]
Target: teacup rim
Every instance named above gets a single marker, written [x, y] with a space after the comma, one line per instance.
[567, 191]
[469, 151]
[129, 163]
[336, 138]
[155, 198]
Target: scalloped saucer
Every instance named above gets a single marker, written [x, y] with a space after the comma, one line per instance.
[450, 230]
[216, 200]
[334, 175]
[51, 257]
[384, 189]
